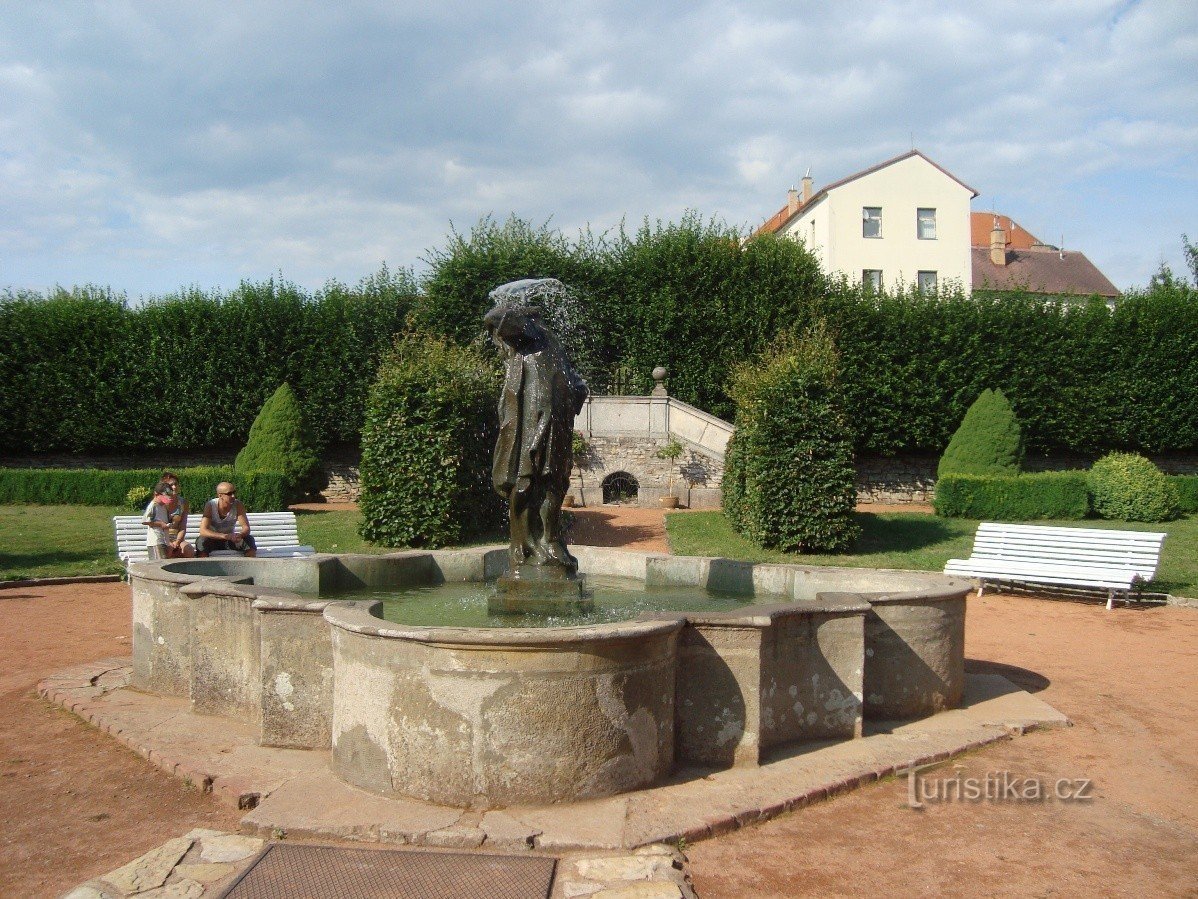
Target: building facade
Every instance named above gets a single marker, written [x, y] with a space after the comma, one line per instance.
[903, 222]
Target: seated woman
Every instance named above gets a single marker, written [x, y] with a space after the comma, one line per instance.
[177, 510]
[224, 524]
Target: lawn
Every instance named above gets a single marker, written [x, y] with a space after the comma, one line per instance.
[62, 541]
[924, 542]
[67, 541]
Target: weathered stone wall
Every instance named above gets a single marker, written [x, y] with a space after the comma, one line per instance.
[695, 474]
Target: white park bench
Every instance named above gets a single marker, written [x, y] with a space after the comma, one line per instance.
[1114, 561]
[275, 533]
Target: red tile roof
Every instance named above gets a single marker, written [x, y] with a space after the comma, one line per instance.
[1040, 271]
[782, 217]
[982, 223]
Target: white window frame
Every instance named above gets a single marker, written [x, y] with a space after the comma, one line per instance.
[921, 277]
[919, 222]
[869, 283]
[867, 219]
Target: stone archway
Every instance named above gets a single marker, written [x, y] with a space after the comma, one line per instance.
[620, 487]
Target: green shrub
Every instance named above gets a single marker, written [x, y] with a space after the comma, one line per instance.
[1128, 487]
[261, 492]
[794, 453]
[1187, 492]
[279, 441]
[1053, 495]
[138, 497]
[988, 442]
[427, 445]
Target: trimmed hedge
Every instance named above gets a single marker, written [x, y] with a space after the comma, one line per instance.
[1187, 492]
[427, 445]
[1054, 495]
[1128, 487]
[108, 368]
[261, 492]
[789, 471]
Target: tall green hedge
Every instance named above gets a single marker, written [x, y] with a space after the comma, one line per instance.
[87, 370]
[791, 466]
[261, 492]
[427, 442]
[83, 369]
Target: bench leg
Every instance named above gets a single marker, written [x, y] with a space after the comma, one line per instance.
[1110, 600]
[981, 587]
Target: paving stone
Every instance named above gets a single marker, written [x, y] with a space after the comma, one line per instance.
[455, 838]
[597, 824]
[93, 890]
[229, 848]
[574, 888]
[625, 867]
[320, 805]
[655, 890]
[150, 870]
[505, 832]
[204, 872]
[180, 889]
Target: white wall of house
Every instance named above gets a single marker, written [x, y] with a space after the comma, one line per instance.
[832, 225]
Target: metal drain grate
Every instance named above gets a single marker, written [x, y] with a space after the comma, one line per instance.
[295, 871]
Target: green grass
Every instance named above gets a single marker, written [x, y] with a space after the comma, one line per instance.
[68, 541]
[923, 542]
[58, 541]
[65, 541]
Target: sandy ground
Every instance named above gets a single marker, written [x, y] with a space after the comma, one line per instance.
[76, 804]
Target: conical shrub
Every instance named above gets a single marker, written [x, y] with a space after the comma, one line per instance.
[279, 442]
[988, 442]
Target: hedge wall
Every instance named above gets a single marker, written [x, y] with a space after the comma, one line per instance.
[261, 492]
[85, 370]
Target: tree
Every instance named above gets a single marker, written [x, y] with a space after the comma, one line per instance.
[988, 442]
[279, 442]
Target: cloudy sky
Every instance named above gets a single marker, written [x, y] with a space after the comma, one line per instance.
[152, 145]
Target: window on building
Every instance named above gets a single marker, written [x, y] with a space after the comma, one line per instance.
[871, 279]
[927, 282]
[925, 226]
[871, 221]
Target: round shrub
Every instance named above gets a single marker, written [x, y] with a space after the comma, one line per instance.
[279, 442]
[427, 444]
[790, 470]
[1128, 487]
[988, 442]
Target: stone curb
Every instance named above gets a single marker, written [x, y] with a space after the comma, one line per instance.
[59, 581]
[278, 794]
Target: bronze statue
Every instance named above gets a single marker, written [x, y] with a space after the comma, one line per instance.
[533, 455]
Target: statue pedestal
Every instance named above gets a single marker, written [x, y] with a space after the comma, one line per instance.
[540, 590]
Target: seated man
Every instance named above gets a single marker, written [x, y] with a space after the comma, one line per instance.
[224, 524]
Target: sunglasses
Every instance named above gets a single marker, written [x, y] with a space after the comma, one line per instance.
[232, 493]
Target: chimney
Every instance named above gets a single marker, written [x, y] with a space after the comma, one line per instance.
[998, 244]
[807, 187]
[792, 201]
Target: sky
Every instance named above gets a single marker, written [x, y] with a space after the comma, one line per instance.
[151, 146]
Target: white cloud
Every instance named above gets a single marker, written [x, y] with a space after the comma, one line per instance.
[151, 146]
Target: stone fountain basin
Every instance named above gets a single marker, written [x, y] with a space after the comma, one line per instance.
[494, 717]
